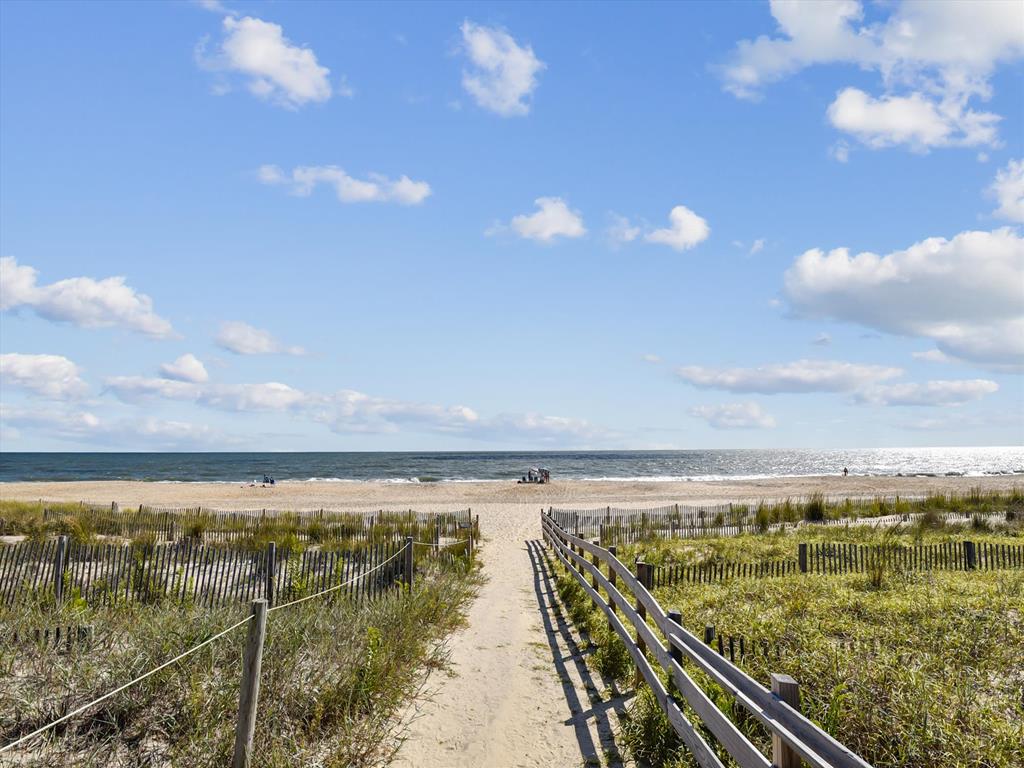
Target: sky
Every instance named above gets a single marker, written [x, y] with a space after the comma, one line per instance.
[488, 226]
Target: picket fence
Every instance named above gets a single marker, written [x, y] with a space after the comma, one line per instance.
[208, 574]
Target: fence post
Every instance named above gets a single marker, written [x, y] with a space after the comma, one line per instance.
[268, 589]
[676, 617]
[970, 556]
[611, 579]
[709, 634]
[409, 563]
[788, 690]
[802, 553]
[249, 694]
[60, 560]
[597, 568]
[642, 574]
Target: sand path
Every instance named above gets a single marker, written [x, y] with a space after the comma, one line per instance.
[516, 697]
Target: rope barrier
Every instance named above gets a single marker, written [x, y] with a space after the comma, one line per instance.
[206, 642]
[338, 586]
[440, 546]
[116, 691]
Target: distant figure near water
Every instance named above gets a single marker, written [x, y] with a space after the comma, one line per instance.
[845, 471]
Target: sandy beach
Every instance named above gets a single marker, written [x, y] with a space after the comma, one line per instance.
[520, 694]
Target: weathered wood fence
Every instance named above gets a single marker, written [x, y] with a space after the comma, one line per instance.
[611, 525]
[208, 574]
[219, 525]
[629, 605]
[840, 558]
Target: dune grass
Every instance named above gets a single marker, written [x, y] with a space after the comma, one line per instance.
[910, 670]
[336, 675]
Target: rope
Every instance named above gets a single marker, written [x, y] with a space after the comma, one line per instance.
[440, 546]
[114, 692]
[338, 586]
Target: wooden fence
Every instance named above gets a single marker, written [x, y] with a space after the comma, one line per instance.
[208, 574]
[843, 558]
[168, 524]
[794, 737]
[611, 525]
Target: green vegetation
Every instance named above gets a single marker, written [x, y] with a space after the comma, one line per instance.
[909, 669]
[336, 675]
[293, 531]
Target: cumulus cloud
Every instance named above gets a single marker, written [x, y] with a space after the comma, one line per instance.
[375, 188]
[933, 58]
[81, 301]
[188, 367]
[757, 246]
[734, 416]
[244, 339]
[914, 120]
[686, 229]
[503, 74]
[930, 393]
[798, 376]
[553, 219]
[50, 376]
[649, 358]
[963, 293]
[274, 68]
[1008, 190]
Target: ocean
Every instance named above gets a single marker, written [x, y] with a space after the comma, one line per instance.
[494, 465]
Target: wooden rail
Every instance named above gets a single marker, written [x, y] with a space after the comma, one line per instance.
[794, 736]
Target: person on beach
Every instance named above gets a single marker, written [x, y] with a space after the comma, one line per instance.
[845, 471]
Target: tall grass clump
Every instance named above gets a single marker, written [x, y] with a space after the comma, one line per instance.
[336, 676]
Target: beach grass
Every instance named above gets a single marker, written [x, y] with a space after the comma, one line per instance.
[336, 675]
[910, 669]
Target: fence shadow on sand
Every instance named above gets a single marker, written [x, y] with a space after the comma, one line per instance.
[568, 654]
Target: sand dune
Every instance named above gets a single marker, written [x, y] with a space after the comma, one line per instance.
[517, 697]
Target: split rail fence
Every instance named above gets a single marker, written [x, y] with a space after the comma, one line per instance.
[629, 609]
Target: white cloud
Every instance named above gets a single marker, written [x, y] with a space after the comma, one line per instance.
[840, 152]
[51, 376]
[757, 246]
[553, 219]
[276, 70]
[504, 74]
[188, 367]
[822, 340]
[914, 120]
[963, 293]
[651, 358]
[85, 427]
[243, 339]
[933, 58]
[621, 230]
[734, 416]
[82, 301]
[930, 393]
[1008, 190]
[798, 376]
[932, 356]
[686, 229]
[374, 189]
[349, 411]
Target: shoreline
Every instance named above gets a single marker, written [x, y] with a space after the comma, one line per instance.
[353, 494]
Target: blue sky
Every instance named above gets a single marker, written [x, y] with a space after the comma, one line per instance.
[487, 226]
